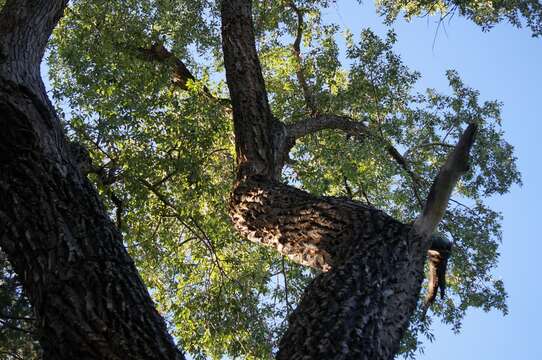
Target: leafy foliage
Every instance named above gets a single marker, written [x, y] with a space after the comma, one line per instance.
[163, 156]
[485, 13]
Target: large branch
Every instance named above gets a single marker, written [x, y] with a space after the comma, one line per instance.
[181, 74]
[455, 166]
[440, 250]
[25, 27]
[89, 300]
[253, 122]
[315, 124]
[359, 307]
[319, 232]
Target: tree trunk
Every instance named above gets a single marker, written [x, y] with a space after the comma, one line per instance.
[372, 264]
[359, 307]
[89, 300]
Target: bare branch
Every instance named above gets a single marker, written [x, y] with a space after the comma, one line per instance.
[441, 190]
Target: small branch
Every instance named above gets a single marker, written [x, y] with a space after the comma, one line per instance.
[405, 165]
[456, 165]
[119, 205]
[296, 50]
[195, 228]
[18, 318]
[347, 187]
[433, 144]
[5, 324]
[286, 290]
[181, 74]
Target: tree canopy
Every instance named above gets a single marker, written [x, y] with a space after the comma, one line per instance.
[141, 85]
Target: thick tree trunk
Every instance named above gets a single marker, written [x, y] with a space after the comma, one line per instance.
[89, 300]
[360, 307]
[373, 269]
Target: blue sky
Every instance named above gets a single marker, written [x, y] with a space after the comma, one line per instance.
[502, 64]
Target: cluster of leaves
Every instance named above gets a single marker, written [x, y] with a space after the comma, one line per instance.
[485, 13]
[163, 157]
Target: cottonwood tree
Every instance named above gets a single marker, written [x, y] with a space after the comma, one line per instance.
[158, 129]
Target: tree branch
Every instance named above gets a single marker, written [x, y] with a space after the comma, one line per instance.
[456, 165]
[254, 124]
[181, 75]
[296, 50]
[372, 265]
[83, 287]
[29, 23]
[312, 125]
[318, 123]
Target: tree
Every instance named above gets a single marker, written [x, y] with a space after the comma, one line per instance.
[161, 158]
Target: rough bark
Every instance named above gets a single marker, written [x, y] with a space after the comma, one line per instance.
[88, 298]
[359, 307]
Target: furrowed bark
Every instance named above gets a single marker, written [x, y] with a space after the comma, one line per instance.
[319, 232]
[373, 269]
[360, 309]
[373, 265]
[89, 300]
